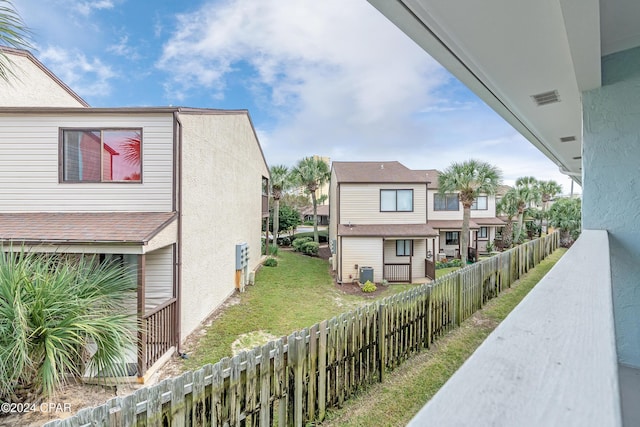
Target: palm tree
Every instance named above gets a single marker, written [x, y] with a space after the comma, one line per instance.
[470, 179]
[51, 308]
[13, 33]
[548, 190]
[280, 182]
[508, 206]
[528, 192]
[311, 173]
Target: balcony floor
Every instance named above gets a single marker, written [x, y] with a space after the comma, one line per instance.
[630, 394]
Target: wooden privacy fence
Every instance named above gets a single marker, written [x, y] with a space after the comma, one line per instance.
[293, 380]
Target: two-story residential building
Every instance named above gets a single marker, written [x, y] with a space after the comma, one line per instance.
[390, 222]
[378, 221]
[174, 193]
[445, 216]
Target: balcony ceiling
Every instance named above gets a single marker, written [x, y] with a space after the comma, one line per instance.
[508, 51]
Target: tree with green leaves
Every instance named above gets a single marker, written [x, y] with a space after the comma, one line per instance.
[13, 33]
[280, 182]
[51, 309]
[527, 192]
[288, 220]
[566, 214]
[470, 179]
[311, 173]
[508, 206]
[548, 190]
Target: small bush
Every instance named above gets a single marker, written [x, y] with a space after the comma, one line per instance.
[299, 242]
[369, 287]
[284, 241]
[271, 262]
[310, 248]
[453, 263]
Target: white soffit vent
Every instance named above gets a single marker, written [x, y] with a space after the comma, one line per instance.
[546, 98]
[567, 139]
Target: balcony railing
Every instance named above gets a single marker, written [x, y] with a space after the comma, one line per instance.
[397, 272]
[552, 361]
[158, 334]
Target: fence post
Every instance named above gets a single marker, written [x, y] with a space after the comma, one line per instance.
[382, 341]
[459, 299]
[296, 356]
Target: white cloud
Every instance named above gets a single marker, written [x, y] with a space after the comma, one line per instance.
[85, 8]
[337, 79]
[87, 76]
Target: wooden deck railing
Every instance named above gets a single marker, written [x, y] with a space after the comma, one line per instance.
[397, 272]
[159, 333]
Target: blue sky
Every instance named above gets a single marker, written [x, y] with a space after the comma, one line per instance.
[330, 77]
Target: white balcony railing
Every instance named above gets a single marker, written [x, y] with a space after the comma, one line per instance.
[551, 362]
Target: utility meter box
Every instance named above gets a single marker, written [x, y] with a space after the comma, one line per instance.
[242, 256]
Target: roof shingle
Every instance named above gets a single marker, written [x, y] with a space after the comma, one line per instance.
[83, 227]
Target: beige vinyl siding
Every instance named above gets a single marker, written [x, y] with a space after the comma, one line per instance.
[417, 261]
[222, 206]
[360, 204]
[490, 212]
[158, 277]
[29, 178]
[363, 252]
[435, 215]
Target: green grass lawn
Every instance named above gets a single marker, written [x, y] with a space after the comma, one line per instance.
[299, 292]
[296, 294]
[410, 386]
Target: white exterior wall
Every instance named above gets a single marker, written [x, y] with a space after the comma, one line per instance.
[29, 178]
[222, 169]
[158, 277]
[31, 86]
[363, 252]
[360, 204]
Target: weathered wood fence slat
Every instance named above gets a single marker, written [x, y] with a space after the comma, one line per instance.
[292, 381]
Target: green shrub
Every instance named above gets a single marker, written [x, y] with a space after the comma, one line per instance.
[369, 287]
[284, 241]
[453, 263]
[299, 242]
[310, 248]
[271, 262]
[51, 308]
[273, 249]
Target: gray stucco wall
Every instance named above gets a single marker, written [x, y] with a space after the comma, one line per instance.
[611, 184]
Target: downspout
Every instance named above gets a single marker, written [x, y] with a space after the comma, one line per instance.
[177, 207]
[338, 237]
